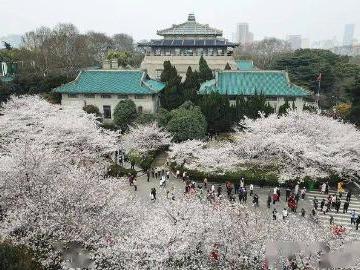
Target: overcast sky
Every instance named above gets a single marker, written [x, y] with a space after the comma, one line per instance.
[314, 19]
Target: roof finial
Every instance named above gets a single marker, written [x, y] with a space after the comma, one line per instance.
[191, 17]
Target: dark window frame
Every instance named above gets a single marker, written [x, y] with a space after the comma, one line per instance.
[107, 111]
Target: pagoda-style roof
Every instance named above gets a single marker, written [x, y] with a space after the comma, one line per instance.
[111, 82]
[190, 28]
[248, 83]
[200, 43]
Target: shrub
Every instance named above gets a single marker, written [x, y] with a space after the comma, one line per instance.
[91, 109]
[124, 113]
[144, 118]
[53, 97]
[116, 170]
[109, 126]
[254, 176]
[17, 258]
[187, 123]
[163, 117]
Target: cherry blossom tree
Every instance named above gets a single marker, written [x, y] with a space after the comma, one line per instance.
[145, 138]
[52, 177]
[54, 192]
[297, 144]
[188, 232]
[302, 144]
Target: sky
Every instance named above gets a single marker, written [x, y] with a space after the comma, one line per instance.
[313, 19]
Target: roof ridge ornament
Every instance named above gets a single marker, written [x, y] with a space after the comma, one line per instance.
[191, 17]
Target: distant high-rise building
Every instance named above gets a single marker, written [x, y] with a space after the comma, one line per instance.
[243, 36]
[295, 41]
[349, 34]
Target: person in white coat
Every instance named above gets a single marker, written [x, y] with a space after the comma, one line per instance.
[251, 189]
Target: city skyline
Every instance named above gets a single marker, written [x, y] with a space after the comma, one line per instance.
[323, 20]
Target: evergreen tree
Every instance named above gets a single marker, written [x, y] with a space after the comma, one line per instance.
[191, 85]
[255, 104]
[240, 108]
[217, 111]
[283, 108]
[227, 67]
[171, 97]
[354, 115]
[205, 72]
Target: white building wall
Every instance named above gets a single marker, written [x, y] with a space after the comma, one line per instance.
[148, 103]
[277, 102]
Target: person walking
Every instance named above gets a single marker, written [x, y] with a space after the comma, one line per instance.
[316, 203]
[135, 184]
[357, 222]
[274, 212]
[269, 200]
[327, 188]
[323, 188]
[244, 194]
[256, 200]
[241, 195]
[331, 220]
[156, 174]
[153, 194]
[177, 174]
[168, 175]
[148, 175]
[242, 182]
[337, 205]
[131, 179]
[153, 173]
[345, 207]
[353, 217]
[303, 192]
[296, 191]
[322, 204]
[284, 213]
[348, 196]
[287, 193]
[324, 209]
[251, 189]
[163, 181]
[219, 190]
[303, 212]
[205, 182]
[184, 176]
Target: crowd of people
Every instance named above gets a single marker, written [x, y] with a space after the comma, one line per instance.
[238, 189]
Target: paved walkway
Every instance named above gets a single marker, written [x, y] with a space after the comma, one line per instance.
[339, 218]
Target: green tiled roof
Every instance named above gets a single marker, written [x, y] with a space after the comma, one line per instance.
[190, 27]
[247, 83]
[111, 82]
[245, 65]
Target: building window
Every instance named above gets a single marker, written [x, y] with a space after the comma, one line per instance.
[107, 111]
[73, 95]
[140, 96]
[105, 96]
[140, 109]
[89, 95]
[122, 96]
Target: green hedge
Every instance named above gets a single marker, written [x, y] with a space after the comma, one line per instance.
[252, 176]
[116, 170]
[317, 182]
[17, 258]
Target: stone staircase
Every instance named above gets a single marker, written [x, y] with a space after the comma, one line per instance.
[339, 218]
